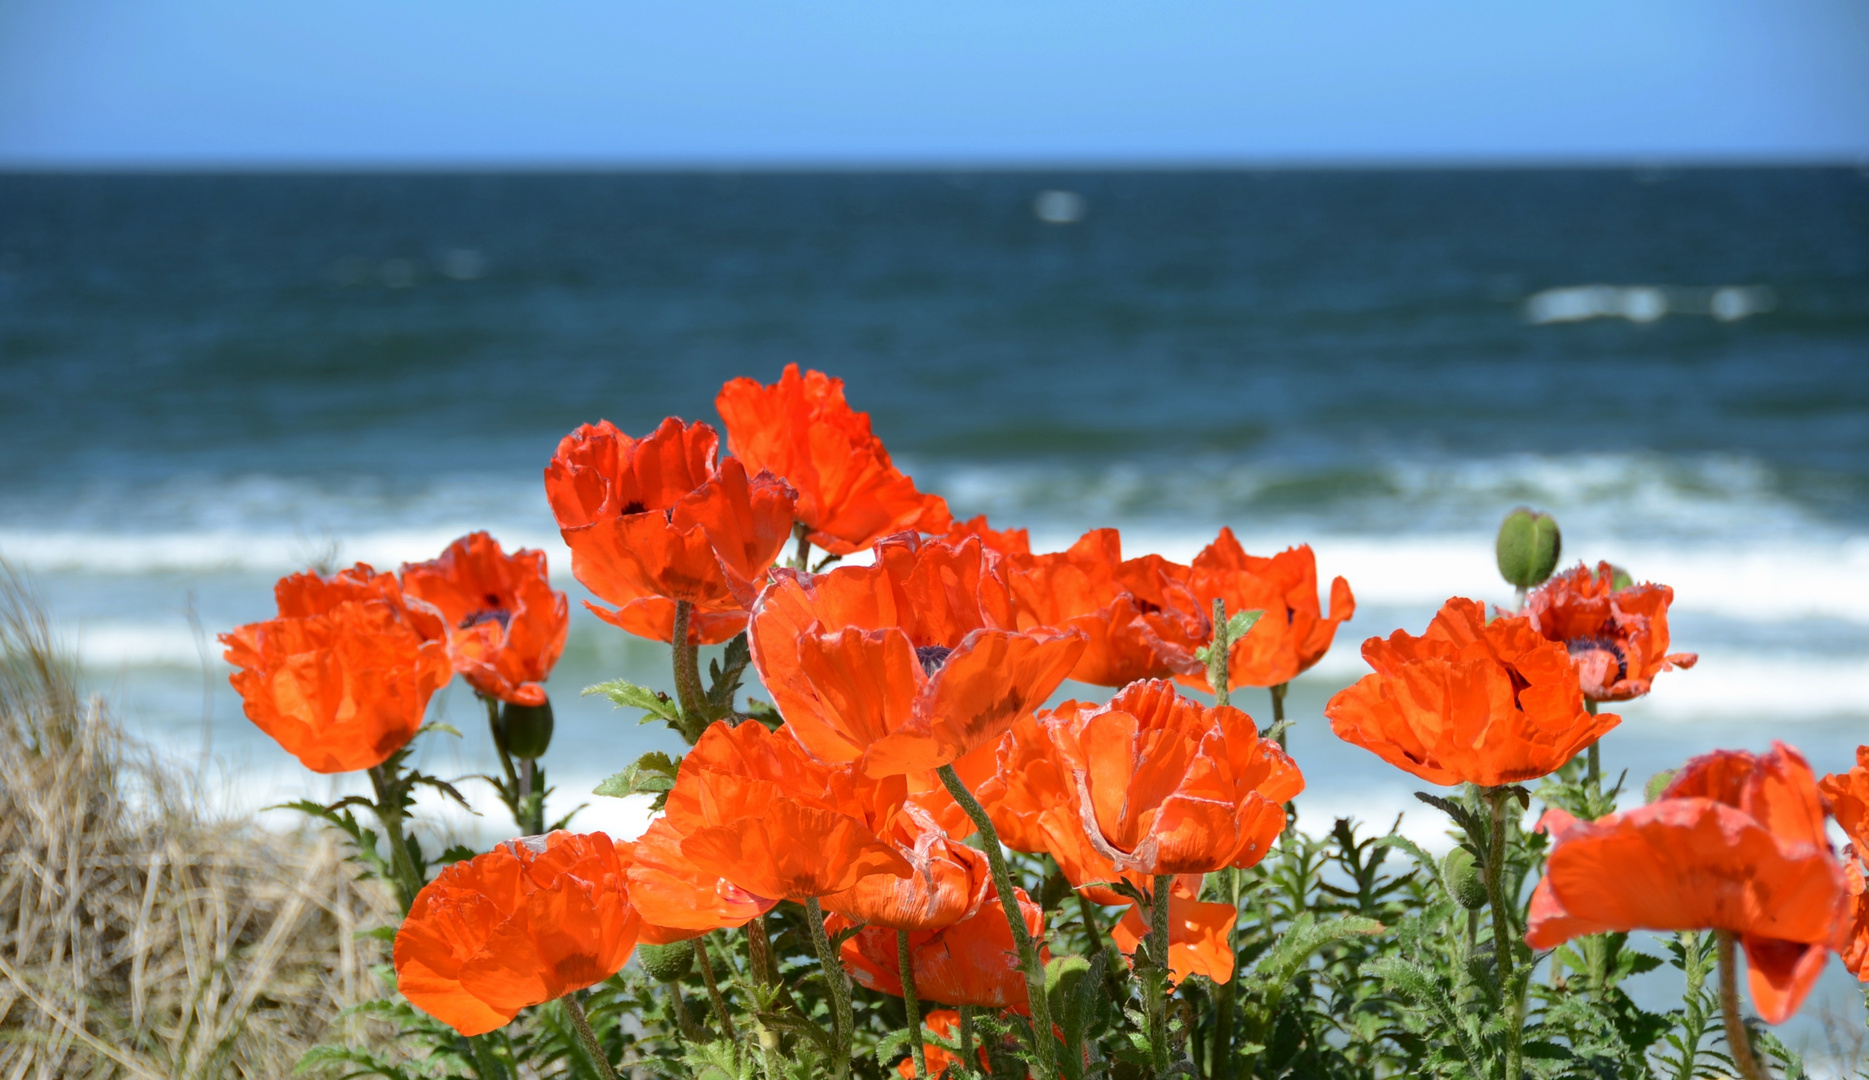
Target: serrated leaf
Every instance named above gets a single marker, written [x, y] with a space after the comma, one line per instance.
[626, 694]
[650, 774]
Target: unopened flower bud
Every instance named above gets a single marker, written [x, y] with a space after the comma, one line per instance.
[1461, 871]
[526, 730]
[666, 963]
[1528, 547]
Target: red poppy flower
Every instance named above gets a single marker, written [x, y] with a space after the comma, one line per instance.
[1292, 634]
[849, 493]
[506, 623]
[1735, 843]
[1004, 541]
[1138, 619]
[907, 664]
[945, 1023]
[526, 923]
[677, 899]
[1197, 937]
[1163, 785]
[751, 806]
[1618, 638]
[947, 883]
[1489, 703]
[656, 520]
[971, 962]
[341, 679]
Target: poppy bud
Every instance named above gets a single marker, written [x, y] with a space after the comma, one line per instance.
[1528, 547]
[526, 730]
[1061, 978]
[1461, 872]
[666, 963]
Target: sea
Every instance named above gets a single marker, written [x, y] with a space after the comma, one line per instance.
[209, 381]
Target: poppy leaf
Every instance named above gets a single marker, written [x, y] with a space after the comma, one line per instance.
[652, 773]
[1242, 621]
[626, 694]
[445, 729]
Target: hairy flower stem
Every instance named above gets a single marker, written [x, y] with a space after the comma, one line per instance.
[1220, 656]
[1593, 762]
[587, 1036]
[702, 961]
[911, 1005]
[1156, 982]
[1497, 798]
[1737, 1042]
[841, 1021]
[499, 744]
[967, 1062]
[1044, 1065]
[408, 881]
[801, 555]
[687, 658]
[759, 961]
[1220, 1060]
[1278, 711]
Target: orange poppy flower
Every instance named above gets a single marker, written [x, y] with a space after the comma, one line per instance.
[1846, 796]
[1292, 634]
[907, 664]
[526, 923]
[1735, 843]
[849, 493]
[751, 806]
[1618, 638]
[1854, 950]
[943, 1022]
[1138, 619]
[678, 900]
[655, 520]
[948, 882]
[971, 962]
[1489, 703]
[1197, 936]
[507, 624]
[1166, 785]
[1004, 541]
[341, 679]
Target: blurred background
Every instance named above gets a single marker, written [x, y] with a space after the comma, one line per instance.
[292, 282]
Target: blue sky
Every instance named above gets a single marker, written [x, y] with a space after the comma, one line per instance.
[872, 82]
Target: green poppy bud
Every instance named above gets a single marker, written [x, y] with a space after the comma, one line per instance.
[1061, 978]
[526, 730]
[666, 963]
[1461, 871]
[1528, 547]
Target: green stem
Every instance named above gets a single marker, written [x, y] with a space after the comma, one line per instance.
[1093, 930]
[389, 813]
[702, 961]
[689, 1032]
[1219, 656]
[687, 663]
[801, 556]
[1593, 763]
[1045, 1059]
[1497, 798]
[841, 1021]
[911, 1005]
[967, 1062]
[1278, 711]
[1156, 981]
[533, 818]
[1220, 1061]
[506, 759]
[587, 1036]
[1738, 1043]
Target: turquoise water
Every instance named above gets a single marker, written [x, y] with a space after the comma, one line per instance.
[206, 382]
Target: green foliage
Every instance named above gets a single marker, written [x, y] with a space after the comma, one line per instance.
[653, 773]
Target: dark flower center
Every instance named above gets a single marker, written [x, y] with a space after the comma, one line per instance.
[492, 614]
[1579, 646]
[633, 507]
[932, 657]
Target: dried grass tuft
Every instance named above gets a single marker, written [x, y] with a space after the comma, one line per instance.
[140, 936]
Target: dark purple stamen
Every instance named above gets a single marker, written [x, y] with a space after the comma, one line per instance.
[932, 657]
[1597, 644]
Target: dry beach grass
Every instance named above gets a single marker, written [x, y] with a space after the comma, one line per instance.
[142, 935]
